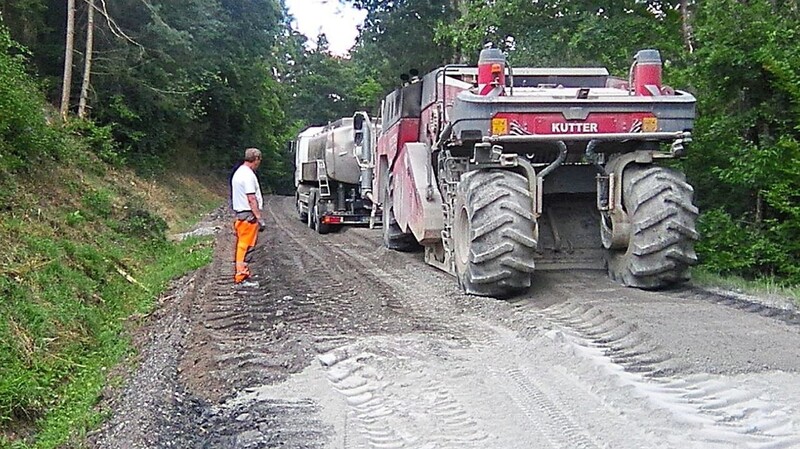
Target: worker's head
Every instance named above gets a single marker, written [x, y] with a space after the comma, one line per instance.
[253, 157]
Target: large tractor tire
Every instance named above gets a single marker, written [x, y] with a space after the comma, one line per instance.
[298, 205]
[663, 219]
[493, 233]
[393, 237]
[315, 216]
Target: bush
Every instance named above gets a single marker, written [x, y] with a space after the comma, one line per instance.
[25, 135]
[725, 247]
[100, 139]
[731, 247]
[143, 224]
[98, 202]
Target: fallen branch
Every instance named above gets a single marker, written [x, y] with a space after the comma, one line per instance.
[130, 278]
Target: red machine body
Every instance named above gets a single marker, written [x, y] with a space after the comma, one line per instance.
[490, 169]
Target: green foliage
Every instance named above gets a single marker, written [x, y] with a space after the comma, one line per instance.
[98, 202]
[571, 33]
[72, 271]
[141, 223]
[726, 247]
[168, 74]
[8, 190]
[24, 134]
[398, 36]
[99, 138]
[747, 152]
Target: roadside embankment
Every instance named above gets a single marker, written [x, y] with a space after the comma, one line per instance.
[84, 257]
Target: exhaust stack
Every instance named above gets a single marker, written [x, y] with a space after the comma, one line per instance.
[491, 71]
[646, 73]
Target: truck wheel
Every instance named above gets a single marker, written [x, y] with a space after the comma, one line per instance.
[299, 206]
[316, 217]
[393, 237]
[663, 219]
[312, 199]
[493, 233]
[319, 226]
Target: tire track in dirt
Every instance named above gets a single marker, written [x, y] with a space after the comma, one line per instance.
[254, 336]
[557, 426]
[238, 341]
[309, 301]
[722, 413]
[351, 373]
[399, 404]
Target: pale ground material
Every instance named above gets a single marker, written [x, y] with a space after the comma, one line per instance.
[347, 345]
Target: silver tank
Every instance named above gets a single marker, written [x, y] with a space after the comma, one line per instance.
[335, 146]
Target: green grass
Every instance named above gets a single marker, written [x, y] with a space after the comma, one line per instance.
[64, 329]
[758, 287]
[83, 254]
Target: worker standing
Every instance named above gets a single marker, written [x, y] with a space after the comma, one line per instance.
[247, 203]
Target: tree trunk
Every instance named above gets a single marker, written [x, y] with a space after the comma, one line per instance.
[686, 26]
[69, 47]
[759, 207]
[461, 8]
[87, 66]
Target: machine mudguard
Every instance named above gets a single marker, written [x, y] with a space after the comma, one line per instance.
[416, 207]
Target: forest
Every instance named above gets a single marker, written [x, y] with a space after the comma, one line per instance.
[154, 83]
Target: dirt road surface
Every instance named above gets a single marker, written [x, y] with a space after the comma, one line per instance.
[345, 344]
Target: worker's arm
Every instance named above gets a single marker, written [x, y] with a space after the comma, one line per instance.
[251, 199]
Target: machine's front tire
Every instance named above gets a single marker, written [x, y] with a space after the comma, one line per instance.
[494, 233]
[663, 229]
[393, 237]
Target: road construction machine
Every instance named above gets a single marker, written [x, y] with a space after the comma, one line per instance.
[333, 178]
[496, 171]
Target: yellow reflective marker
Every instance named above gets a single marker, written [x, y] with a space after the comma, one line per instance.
[499, 126]
[649, 124]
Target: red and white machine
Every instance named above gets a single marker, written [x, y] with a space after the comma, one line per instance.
[498, 172]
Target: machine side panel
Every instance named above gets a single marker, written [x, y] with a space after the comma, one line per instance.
[412, 209]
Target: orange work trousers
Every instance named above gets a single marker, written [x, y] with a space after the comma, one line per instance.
[246, 236]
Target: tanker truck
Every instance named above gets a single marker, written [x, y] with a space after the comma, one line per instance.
[333, 179]
[498, 172]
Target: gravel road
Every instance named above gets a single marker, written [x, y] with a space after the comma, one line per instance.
[345, 344]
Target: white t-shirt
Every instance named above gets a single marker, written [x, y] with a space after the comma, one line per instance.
[244, 181]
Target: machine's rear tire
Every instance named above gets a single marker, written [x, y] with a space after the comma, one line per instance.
[393, 237]
[493, 233]
[663, 220]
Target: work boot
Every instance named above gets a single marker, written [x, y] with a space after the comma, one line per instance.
[247, 284]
